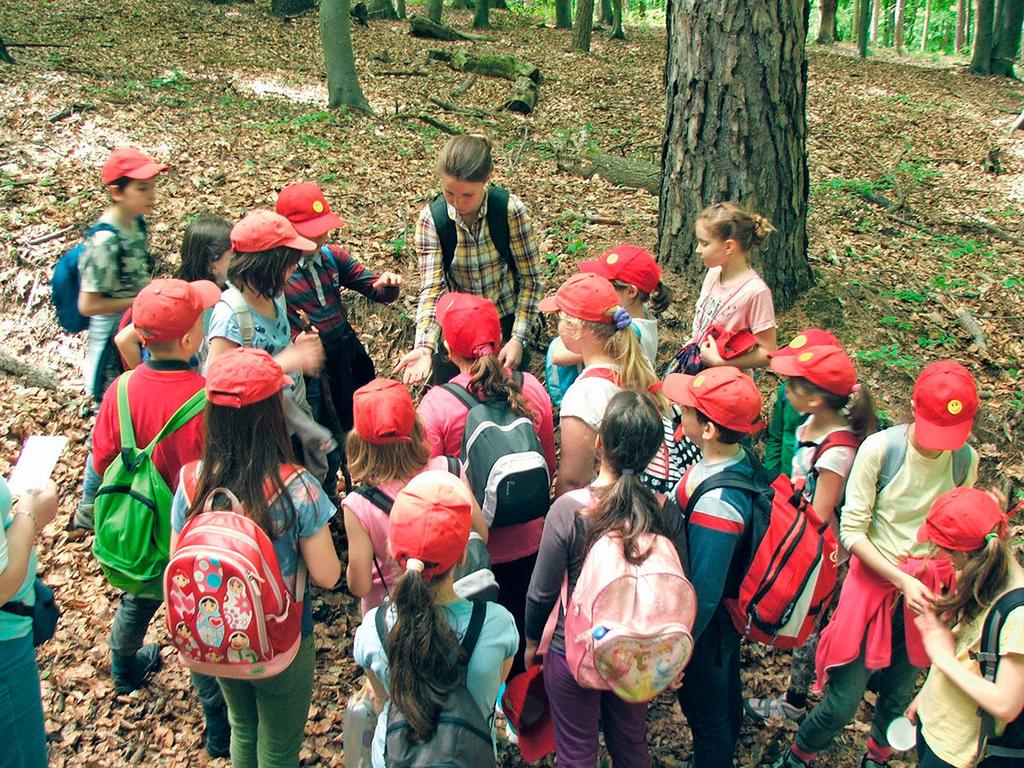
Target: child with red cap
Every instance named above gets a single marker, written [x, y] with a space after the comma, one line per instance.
[315, 288]
[637, 280]
[987, 604]
[246, 447]
[821, 383]
[252, 313]
[386, 448]
[409, 647]
[168, 316]
[896, 477]
[720, 406]
[472, 337]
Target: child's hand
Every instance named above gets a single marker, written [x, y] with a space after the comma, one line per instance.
[415, 366]
[916, 595]
[709, 353]
[388, 280]
[530, 654]
[511, 354]
[938, 640]
[307, 354]
[911, 711]
[42, 504]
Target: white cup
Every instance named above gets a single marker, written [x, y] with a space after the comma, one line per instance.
[902, 734]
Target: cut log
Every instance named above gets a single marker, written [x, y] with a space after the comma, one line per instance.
[524, 97]
[505, 67]
[421, 26]
[465, 86]
[28, 374]
[621, 171]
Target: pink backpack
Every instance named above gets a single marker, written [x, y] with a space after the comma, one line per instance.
[627, 627]
[229, 612]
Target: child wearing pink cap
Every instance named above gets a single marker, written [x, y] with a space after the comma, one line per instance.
[969, 527]
[896, 477]
[247, 444]
[409, 647]
[472, 336]
[386, 448]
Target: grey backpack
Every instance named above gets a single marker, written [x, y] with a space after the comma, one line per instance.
[895, 452]
[462, 737]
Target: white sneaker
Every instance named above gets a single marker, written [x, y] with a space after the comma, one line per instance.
[766, 709]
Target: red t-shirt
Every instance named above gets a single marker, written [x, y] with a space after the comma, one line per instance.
[155, 391]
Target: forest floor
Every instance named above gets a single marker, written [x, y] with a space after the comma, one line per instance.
[907, 228]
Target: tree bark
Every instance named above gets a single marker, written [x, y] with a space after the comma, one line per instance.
[926, 25]
[981, 56]
[336, 36]
[524, 96]
[480, 15]
[863, 28]
[432, 9]
[827, 26]
[617, 32]
[898, 24]
[563, 14]
[748, 144]
[606, 11]
[876, 15]
[400, 8]
[584, 26]
[961, 26]
[1007, 46]
[421, 26]
[383, 9]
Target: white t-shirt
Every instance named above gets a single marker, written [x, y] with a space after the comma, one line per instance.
[648, 332]
[838, 458]
[588, 396]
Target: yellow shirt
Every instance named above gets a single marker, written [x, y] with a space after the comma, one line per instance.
[949, 717]
[891, 520]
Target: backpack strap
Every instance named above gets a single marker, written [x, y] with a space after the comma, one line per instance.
[601, 373]
[476, 623]
[843, 438]
[243, 313]
[124, 420]
[185, 413]
[464, 396]
[988, 661]
[380, 622]
[497, 226]
[895, 453]
[375, 496]
[724, 479]
[961, 464]
[454, 465]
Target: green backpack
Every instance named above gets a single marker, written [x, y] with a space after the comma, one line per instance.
[133, 505]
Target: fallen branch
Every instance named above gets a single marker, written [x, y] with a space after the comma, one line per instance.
[447, 106]
[9, 44]
[421, 26]
[401, 73]
[51, 236]
[969, 324]
[1018, 123]
[28, 374]
[593, 219]
[71, 109]
[991, 229]
[464, 87]
[450, 130]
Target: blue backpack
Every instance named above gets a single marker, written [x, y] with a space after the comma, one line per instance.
[66, 282]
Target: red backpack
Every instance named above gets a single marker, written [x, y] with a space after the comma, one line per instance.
[791, 577]
[229, 612]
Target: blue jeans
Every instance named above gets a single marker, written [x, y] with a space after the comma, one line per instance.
[131, 622]
[21, 706]
[711, 696]
[90, 484]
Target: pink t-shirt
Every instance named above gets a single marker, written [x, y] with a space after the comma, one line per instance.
[746, 305]
[444, 418]
[375, 522]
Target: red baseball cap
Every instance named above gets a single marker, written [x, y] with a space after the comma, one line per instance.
[305, 206]
[724, 394]
[430, 522]
[828, 368]
[243, 376]
[962, 519]
[470, 324]
[129, 162]
[383, 412]
[525, 704]
[809, 337]
[628, 264]
[586, 296]
[945, 402]
[166, 309]
[264, 230]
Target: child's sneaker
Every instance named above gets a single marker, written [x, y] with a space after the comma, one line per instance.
[765, 709]
[867, 762]
[130, 672]
[788, 760]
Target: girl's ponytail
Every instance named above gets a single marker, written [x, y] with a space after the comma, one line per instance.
[660, 298]
[860, 412]
[423, 651]
[980, 581]
[488, 378]
[635, 370]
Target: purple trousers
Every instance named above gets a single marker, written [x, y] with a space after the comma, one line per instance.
[578, 713]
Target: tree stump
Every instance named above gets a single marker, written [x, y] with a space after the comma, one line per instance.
[524, 96]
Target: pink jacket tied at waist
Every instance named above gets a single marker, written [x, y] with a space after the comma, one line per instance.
[863, 618]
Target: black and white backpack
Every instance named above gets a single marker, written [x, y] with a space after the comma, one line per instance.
[503, 459]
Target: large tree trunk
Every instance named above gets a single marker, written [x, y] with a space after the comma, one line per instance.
[1007, 46]
[876, 15]
[898, 24]
[827, 27]
[336, 36]
[563, 14]
[863, 28]
[927, 23]
[617, 33]
[981, 57]
[584, 26]
[480, 15]
[744, 144]
[432, 9]
[383, 9]
[961, 26]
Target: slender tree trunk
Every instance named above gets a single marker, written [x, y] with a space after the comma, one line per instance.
[876, 15]
[827, 28]
[617, 32]
[336, 36]
[433, 10]
[960, 32]
[887, 23]
[606, 11]
[863, 28]
[400, 8]
[927, 22]
[481, 20]
[981, 56]
[898, 24]
[584, 26]
[563, 14]
[1007, 46]
[748, 144]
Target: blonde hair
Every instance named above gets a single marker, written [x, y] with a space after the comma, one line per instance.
[374, 464]
[729, 221]
[466, 157]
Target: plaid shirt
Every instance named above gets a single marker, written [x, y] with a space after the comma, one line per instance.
[316, 285]
[479, 268]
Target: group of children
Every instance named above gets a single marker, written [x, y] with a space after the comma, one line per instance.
[296, 425]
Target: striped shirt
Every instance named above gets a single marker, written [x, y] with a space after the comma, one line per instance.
[315, 287]
[479, 268]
